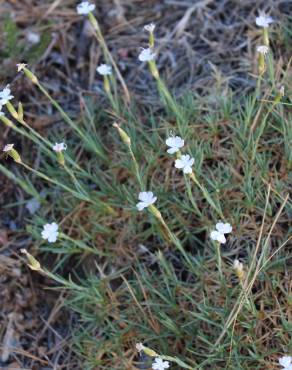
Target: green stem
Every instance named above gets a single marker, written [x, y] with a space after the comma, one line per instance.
[107, 54]
[156, 213]
[77, 195]
[219, 259]
[206, 195]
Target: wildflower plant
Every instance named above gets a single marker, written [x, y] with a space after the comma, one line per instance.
[154, 263]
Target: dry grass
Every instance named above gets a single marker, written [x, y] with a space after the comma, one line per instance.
[206, 48]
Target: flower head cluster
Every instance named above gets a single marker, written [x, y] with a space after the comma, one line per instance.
[59, 147]
[50, 232]
[146, 199]
[263, 20]
[146, 55]
[175, 143]
[286, 362]
[85, 8]
[219, 234]
[104, 69]
[263, 49]
[159, 364]
[5, 95]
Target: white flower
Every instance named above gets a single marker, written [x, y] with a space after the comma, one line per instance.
[149, 27]
[33, 205]
[147, 198]
[262, 49]
[185, 163]
[85, 7]
[146, 55]
[33, 37]
[159, 364]
[282, 90]
[215, 235]
[224, 228]
[50, 232]
[104, 69]
[59, 147]
[5, 95]
[8, 147]
[286, 362]
[263, 20]
[175, 143]
[221, 229]
[20, 66]
[139, 347]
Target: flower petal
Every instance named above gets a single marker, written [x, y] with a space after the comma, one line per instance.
[224, 228]
[172, 150]
[179, 163]
[188, 169]
[141, 206]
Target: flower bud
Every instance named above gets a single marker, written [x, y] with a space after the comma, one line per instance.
[238, 267]
[124, 136]
[30, 75]
[11, 152]
[149, 352]
[6, 121]
[280, 94]
[33, 264]
[12, 110]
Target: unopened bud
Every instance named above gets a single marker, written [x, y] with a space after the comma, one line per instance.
[149, 352]
[9, 150]
[30, 75]
[280, 94]
[6, 120]
[238, 267]
[124, 136]
[33, 264]
[12, 110]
